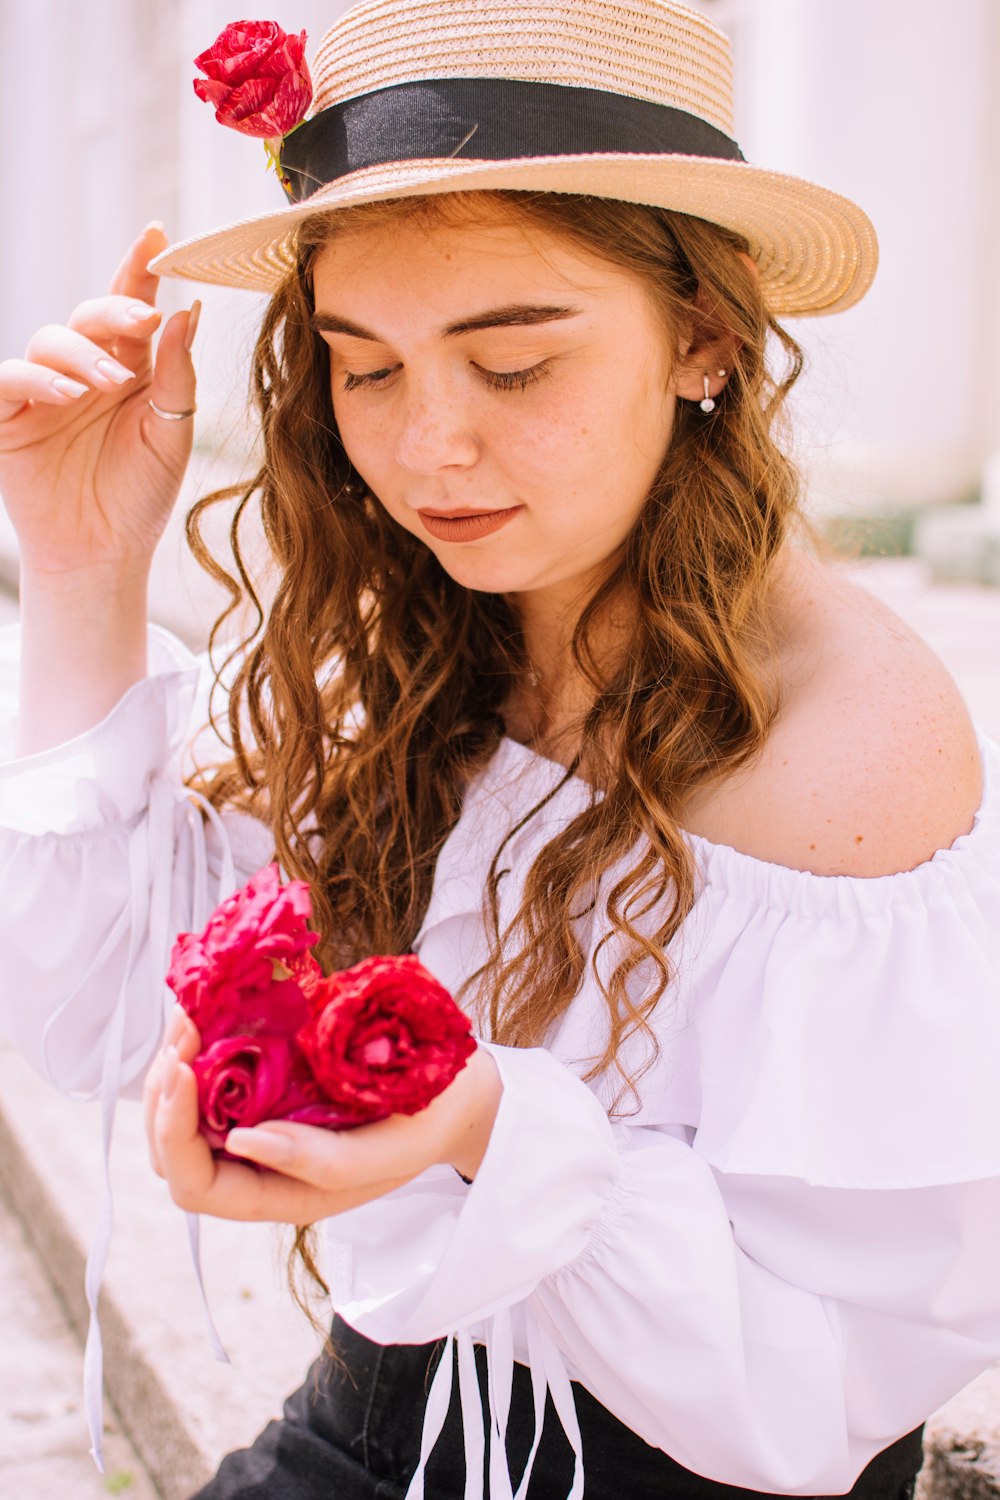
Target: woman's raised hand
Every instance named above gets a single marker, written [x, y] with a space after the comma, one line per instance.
[88, 472]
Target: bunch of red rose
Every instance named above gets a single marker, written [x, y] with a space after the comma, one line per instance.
[281, 1041]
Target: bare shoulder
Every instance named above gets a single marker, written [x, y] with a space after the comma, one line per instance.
[872, 765]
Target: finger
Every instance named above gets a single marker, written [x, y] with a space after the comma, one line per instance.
[181, 1043]
[336, 1161]
[182, 1151]
[175, 1024]
[151, 1090]
[174, 385]
[253, 1196]
[124, 326]
[199, 1182]
[68, 353]
[182, 1034]
[21, 382]
[108, 318]
[256, 1197]
[132, 279]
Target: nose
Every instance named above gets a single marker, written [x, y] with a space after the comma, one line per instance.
[435, 433]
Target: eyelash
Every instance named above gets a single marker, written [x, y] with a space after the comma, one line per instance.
[500, 380]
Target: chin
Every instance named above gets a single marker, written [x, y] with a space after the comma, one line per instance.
[488, 575]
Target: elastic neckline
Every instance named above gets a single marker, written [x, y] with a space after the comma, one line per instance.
[765, 878]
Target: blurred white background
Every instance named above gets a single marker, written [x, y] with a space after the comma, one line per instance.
[894, 105]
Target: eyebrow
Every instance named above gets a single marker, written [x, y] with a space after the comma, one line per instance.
[516, 315]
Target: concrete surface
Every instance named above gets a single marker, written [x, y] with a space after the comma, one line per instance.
[963, 1451]
[183, 1410]
[43, 1436]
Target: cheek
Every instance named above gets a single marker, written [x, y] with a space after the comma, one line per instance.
[598, 432]
[556, 432]
[364, 433]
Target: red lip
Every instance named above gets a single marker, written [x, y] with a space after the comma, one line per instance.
[455, 515]
[465, 526]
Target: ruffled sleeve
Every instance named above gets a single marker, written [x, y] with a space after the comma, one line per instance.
[866, 1052]
[103, 858]
[787, 1258]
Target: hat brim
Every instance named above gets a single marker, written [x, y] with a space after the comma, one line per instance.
[816, 250]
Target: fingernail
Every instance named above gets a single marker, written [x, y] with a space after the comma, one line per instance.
[67, 387]
[264, 1146]
[112, 370]
[137, 313]
[194, 317]
[155, 224]
[170, 1062]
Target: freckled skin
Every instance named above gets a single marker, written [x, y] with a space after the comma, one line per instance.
[436, 435]
[576, 450]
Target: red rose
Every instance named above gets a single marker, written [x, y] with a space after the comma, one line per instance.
[251, 969]
[385, 1038]
[245, 1079]
[257, 79]
[281, 1042]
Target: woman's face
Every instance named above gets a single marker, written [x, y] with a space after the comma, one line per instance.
[506, 396]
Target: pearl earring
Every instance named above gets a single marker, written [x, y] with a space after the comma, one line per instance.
[708, 404]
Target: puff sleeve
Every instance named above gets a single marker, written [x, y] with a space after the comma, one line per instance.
[104, 857]
[791, 1255]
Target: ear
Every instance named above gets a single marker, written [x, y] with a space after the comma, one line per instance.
[711, 352]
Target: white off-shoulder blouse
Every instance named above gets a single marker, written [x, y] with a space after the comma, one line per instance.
[784, 1260]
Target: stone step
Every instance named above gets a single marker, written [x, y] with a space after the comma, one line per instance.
[181, 1409]
[43, 1437]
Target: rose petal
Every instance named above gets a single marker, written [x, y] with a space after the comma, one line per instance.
[239, 51]
[243, 1080]
[233, 959]
[385, 1035]
[259, 83]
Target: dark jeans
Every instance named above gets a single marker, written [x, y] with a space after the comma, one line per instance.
[354, 1434]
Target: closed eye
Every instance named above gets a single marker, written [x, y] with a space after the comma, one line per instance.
[354, 382]
[500, 380]
[514, 380]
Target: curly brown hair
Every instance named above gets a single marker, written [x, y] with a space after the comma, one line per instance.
[374, 685]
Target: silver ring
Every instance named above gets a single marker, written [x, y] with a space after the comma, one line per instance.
[171, 416]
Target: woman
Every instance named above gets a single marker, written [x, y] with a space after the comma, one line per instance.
[701, 835]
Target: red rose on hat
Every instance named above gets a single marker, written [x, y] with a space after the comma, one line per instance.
[385, 1037]
[257, 79]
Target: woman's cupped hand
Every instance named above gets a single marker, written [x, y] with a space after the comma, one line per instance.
[311, 1173]
[88, 472]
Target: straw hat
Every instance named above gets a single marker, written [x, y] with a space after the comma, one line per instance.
[626, 99]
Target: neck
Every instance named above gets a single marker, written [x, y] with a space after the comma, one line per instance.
[554, 695]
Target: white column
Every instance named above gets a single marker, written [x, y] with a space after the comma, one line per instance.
[38, 236]
[895, 107]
